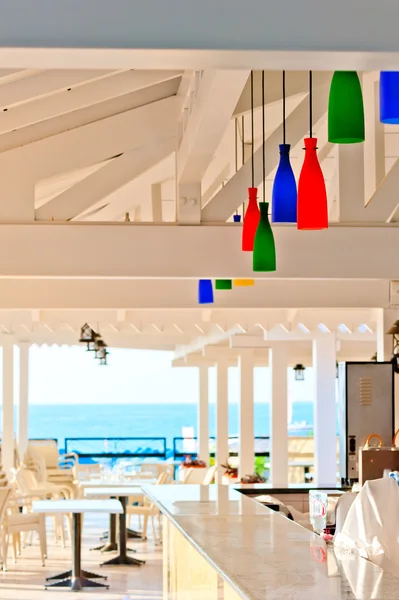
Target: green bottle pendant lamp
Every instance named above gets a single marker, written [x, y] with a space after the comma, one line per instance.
[223, 284]
[345, 109]
[264, 255]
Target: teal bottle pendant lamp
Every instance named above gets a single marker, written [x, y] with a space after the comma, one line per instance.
[264, 256]
[345, 109]
[223, 284]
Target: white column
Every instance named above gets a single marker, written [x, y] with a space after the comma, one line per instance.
[385, 319]
[222, 415]
[23, 410]
[374, 144]
[7, 444]
[203, 415]
[278, 415]
[325, 443]
[351, 182]
[246, 420]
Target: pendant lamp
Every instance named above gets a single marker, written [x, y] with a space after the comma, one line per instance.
[243, 282]
[284, 195]
[223, 284]
[312, 196]
[345, 109]
[205, 291]
[264, 256]
[389, 97]
[252, 214]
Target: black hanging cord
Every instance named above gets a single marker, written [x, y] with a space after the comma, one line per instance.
[252, 128]
[236, 147]
[283, 107]
[310, 103]
[263, 137]
[243, 152]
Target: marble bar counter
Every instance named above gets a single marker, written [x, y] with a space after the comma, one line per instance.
[222, 545]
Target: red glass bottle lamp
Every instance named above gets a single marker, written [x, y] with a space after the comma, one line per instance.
[251, 221]
[312, 194]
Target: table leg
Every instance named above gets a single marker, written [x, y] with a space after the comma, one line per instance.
[77, 580]
[123, 558]
[111, 546]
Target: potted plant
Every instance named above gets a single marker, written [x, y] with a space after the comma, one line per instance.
[254, 478]
[190, 463]
[230, 474]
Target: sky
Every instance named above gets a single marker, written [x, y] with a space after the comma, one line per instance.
[70, 375]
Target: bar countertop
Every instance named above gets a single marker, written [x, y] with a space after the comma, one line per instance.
[261, 554]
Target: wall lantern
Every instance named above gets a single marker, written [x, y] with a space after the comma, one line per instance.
[88, 336]
[299, 372]
[394, 332]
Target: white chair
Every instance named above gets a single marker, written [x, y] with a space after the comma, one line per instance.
[13, 523]
[148, 511]
[209, 475]
[196, 475]
[30, 489]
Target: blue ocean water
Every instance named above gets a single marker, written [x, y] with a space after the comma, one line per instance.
[61, 421]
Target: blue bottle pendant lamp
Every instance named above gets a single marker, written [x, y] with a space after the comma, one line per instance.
[389, 97]
[284, 195]
[205, 291]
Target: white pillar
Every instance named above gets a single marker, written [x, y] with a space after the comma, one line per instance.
[203, 415]
[7, 444]
[374, 144]
[325, 443]
[222, 415]
[351, 182]
[385, 319]
[246, 420]
[23, 410]
[278, 416]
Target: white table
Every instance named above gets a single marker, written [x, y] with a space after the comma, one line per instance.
[76, 578]
[111, 545]
[122, 493]
[104, 483]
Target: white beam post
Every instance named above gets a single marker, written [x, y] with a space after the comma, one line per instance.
[23, 411]
[351, 182]
[325, 443]
[246, 420]
[374, 144]
[279, 416]
[203, 414]
[7, 443]
[222, 415]
[385, 319]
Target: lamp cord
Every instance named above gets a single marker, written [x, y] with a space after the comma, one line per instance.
[252, 128]
[243, 153]
[310, 103]
[283, 107]
[236, 148]
[263, 136]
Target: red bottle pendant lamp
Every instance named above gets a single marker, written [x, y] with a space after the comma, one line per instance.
[312, 208]
[312, 195]
[252, 214]
[251, 221]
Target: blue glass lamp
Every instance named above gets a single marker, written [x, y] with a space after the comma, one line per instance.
[205, 291]
[389, 97]
[284, 196]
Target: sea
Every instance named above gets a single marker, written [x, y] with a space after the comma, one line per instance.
[61, 421]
